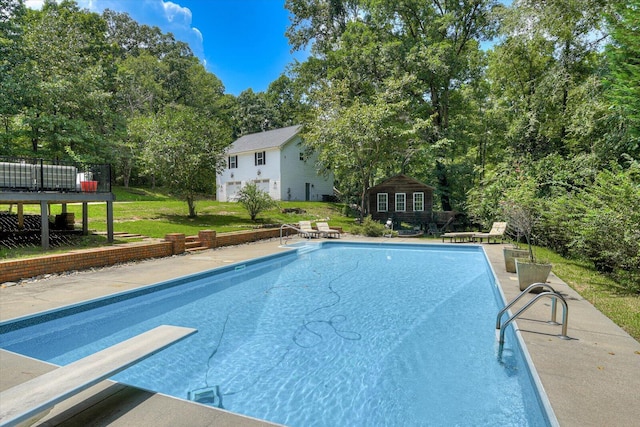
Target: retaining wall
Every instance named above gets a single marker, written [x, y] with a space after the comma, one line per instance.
[174, 244]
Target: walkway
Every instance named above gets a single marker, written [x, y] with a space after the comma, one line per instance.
[591, 380]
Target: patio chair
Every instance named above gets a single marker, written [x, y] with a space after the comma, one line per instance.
[497, 231]
[306, 230]
[325, 231]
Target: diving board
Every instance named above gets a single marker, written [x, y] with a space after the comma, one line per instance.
[28, 399]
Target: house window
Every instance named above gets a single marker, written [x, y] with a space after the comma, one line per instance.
[302, 156]
[401, 202]
[233, 162]
[383, 202]
[260, 158]
[418, 202]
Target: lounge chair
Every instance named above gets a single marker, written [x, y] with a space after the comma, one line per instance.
[463, 236]
[325, 231]
[497, 230]
[306, 230]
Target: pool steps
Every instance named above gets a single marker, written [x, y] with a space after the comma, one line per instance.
[26, 400]
[550, 293]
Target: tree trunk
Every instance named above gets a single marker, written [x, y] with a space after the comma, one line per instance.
[192, 206]
[443, 186]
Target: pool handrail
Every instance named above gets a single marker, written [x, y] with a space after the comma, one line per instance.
[292, 227]
[525, 292]
[26, 400]
[552, 295]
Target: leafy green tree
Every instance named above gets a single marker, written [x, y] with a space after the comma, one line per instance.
[255, 200]
[624, 77]
[68, 107]
[355, 140]
[12, 86]
[603, 220]
[284, 97]
[185, 149]
[253, 113]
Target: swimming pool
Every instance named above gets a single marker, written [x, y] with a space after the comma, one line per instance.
[348, 334]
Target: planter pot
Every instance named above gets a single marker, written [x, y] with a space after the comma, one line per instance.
[89, 186]
[529, 273]
[510, 255]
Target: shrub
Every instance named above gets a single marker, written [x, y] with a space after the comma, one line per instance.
[604, 224]
[255, 200]
[370, 228]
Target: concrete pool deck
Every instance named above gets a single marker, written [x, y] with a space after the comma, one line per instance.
[591, 380]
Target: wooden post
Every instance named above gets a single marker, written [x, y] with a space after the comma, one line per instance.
[20, 217]
[85, 218]
[44, 224]
[110, 222]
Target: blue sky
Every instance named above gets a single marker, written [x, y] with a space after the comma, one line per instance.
[242, 42]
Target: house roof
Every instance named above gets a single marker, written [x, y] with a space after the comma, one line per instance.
[400, 179]
[264, 140]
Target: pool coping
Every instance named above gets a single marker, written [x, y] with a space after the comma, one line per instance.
[589, 380]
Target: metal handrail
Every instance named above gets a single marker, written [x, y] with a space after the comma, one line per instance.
[525, 292]
[308, 236]
[553, 295]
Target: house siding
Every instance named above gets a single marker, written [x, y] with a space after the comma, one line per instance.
[296, 174]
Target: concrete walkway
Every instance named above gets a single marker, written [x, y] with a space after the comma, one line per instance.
[591, 380]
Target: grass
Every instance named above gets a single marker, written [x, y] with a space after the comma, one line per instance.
[154, 213]
[619, 304]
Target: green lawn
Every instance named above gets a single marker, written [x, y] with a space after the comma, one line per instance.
[155, 213]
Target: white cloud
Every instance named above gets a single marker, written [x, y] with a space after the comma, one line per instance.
[173, 11]
[197, 33]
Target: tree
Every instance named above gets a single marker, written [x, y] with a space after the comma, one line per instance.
[426, 50]
[255, 200]
[185, 149]
[624, 78]
[69, 72]
[355, 140]
[12, 86]
[253, 113]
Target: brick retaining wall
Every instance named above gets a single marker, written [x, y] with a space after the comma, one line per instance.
[100, 257]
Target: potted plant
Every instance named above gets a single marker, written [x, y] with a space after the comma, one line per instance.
[511, 254]
[521, 211]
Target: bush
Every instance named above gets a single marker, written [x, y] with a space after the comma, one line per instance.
[605, 225]
[370, 228]
[255, 200]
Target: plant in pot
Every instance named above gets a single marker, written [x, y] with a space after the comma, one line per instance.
[512, 253]
[521, 210]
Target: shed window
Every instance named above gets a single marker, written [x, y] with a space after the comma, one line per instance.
[418, 202]
[233, 162]
[401, 202]
[383, 202]
[260, 158]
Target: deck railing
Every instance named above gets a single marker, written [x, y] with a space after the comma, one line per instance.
[29, 174]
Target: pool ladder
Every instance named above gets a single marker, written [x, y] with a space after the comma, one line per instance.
[550, 293]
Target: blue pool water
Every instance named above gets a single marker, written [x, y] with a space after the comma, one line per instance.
[349, 334]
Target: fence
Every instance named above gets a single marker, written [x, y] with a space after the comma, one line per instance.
[24, 174]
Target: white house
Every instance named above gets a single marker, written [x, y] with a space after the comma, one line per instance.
[276, 161]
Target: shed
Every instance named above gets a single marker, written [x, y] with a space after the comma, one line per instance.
[401, 198]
